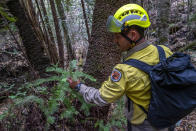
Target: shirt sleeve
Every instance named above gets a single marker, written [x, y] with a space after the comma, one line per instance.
[114, 87]
[92, 95]
[111, 90]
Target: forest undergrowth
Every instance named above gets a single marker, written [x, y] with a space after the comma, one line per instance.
[49, 103]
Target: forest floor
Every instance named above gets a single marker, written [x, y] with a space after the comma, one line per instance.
[188, 123]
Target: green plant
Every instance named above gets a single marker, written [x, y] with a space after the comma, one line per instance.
[193, 18]
[4, 89]
[6, 15]
[117, 119]
[49, 99]
[6, 20]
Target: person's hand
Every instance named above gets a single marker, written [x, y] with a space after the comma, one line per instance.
[72, 84]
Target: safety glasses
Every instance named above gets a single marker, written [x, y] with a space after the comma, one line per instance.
[113, 25]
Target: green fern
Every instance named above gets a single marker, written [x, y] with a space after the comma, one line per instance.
[117, 118]
[60, 94]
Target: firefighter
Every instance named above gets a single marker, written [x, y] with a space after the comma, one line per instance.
[128, 25]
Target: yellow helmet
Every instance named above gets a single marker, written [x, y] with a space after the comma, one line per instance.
[128, 15]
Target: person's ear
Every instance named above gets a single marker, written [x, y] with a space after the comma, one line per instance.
[132, 34]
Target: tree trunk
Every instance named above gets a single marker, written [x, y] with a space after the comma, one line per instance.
[85, 18]
[65, 30]
[51, 46]
[41, 33]
[134, 1]
[54, 49]
[34, 20]
[142, 3]
[139, 2]
[58, 34]
[163, 7]
[34, 50]
[47, 21]
[103, 54]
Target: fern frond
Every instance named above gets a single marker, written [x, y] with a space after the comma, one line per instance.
[28, 99]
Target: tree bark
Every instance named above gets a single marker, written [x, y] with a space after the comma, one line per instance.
[65, 30]
[163, 7]
[58, 34]
[33, 19]
[47, 21]
[139, 2]
[34, 50]
[54, 49]
[103, 54]
[142, 3]
[134, 1]
[52, 53]
[85, 19]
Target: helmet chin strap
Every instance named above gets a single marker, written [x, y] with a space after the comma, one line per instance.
[131, 41]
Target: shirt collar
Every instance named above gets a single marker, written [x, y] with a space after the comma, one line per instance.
[136, 49]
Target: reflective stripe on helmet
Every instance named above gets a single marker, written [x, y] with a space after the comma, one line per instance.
[131, 17]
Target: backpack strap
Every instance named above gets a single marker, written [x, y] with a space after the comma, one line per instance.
[140, 65]
[144, 67]
[161, 53]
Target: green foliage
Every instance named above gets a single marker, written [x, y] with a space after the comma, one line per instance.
[5, 88]
[49, 99]
[101, 126]
[6, 15]
[117, 119]
[67, 4]
[90, 2]
[193, 17]
[6, 21]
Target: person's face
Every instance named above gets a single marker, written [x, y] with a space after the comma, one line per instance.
[122, 43]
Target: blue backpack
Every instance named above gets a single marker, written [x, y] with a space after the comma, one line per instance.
[173, 86]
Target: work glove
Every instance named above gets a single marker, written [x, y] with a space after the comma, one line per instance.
[74, 84]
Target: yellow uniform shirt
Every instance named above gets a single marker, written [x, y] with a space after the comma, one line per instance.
[133, 82]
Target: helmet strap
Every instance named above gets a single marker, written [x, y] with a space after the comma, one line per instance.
[131, 41]
[137, 41]
[127, 38]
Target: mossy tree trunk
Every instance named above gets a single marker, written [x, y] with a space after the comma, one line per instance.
[33, 48]
[103, 54]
